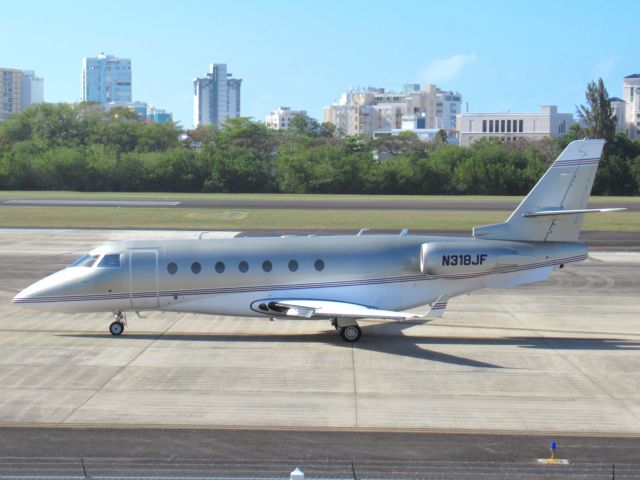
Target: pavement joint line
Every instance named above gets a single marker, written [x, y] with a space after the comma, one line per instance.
[116, 373]
[601, 388]
[355, 385]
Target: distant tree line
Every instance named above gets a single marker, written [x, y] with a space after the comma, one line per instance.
[81, 148]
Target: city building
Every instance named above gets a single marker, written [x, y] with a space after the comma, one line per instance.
[513, 126]
[145, 110]
[32, 89]
[618, 108]
[627, 108]
[279, 119]
[417, 124]
[19, 89]
[106, 79]
[216, 97]
[365, 111]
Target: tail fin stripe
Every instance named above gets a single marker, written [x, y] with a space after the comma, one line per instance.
[572, 163]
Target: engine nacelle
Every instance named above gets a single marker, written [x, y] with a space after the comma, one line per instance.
[450, 258]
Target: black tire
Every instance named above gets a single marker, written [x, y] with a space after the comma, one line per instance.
[116, 328]
[351, 333]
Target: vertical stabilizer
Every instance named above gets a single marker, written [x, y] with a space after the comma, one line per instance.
[554, 210]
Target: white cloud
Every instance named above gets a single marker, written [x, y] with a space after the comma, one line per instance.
[444, 69]
[606, 65]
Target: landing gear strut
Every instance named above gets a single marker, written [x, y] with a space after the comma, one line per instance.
[119, 322]
[347, 328]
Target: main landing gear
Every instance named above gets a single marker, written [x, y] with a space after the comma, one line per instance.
[119, 322]
[347, 328]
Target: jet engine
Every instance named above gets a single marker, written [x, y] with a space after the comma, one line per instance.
[450, 258]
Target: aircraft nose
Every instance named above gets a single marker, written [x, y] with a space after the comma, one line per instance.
[47, 291]
[30, 294]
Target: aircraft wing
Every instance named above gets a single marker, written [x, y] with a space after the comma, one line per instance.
[328, 309]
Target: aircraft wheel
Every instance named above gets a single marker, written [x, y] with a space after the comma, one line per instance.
[351, 333]
[116, 328]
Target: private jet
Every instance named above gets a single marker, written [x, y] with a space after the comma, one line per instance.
[338, 278]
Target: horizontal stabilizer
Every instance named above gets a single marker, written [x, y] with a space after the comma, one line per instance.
[438, 307]
[325, 309]
[542, 213]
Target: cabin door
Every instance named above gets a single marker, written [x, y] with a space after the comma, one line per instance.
[143, 279]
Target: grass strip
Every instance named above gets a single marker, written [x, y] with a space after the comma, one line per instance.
[279, 219]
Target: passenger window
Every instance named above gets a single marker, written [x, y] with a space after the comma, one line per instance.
[86, 261]
[219, 267]
[243, 266]
[293, 265]
[172, 268]
[110, 261]
[267, 266]
[196, 268]
[319, 265]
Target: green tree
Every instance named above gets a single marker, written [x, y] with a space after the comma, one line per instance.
[441, 136]
[241, 158]
[303, 125]
[597, 114]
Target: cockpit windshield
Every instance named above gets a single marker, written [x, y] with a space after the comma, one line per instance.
[86, 261]
[111, 260]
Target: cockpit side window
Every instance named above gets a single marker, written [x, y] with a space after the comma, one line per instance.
[86, 261]
[111, 260]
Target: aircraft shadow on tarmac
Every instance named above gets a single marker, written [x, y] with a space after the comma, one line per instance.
[405, 346]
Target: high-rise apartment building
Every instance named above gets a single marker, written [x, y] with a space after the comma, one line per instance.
[106, 79]
[279, 119]
[18, 90]
[216, 97]
[365, 111]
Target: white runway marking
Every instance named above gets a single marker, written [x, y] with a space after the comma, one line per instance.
[105, 203]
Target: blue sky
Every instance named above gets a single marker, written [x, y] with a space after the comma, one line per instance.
[501, 55]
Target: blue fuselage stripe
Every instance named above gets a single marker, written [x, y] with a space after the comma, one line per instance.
[304, 286]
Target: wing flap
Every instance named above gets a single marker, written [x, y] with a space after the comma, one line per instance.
[326, 309]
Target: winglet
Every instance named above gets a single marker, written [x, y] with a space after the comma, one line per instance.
[438, 307]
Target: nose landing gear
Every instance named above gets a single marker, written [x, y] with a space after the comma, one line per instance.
[120, 321]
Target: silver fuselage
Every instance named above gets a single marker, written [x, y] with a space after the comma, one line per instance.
[384, 271]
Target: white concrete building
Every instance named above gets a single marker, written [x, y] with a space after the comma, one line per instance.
[106, 79]
[416, 124]
[618, 108]
[216, 97]
[365, 111]
[279, 119]
[18, 90]
[32, 89]
[513, 126]
[631, 97]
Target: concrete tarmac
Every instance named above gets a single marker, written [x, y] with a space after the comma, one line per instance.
[558, 356]
[492, 381]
